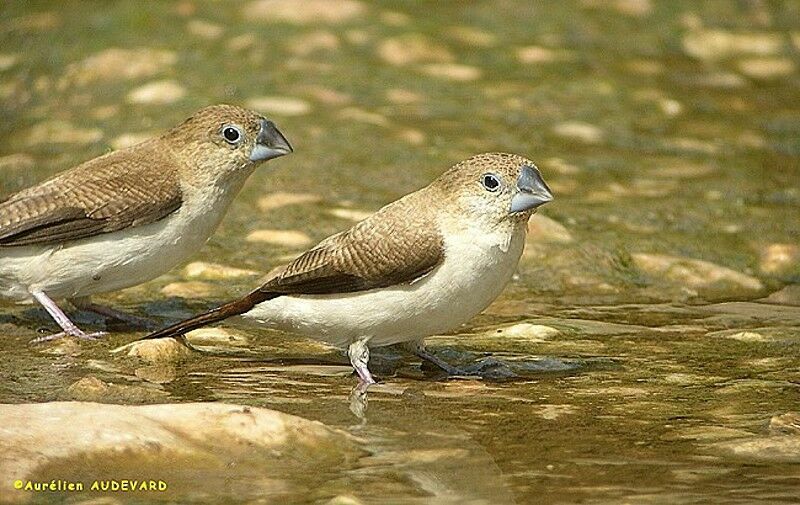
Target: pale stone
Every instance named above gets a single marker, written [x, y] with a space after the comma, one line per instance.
[394, 18]
[159, 350]
[215, 336]
[130, 139]
[472, 36]
[326, 95]
[412, 48]
[92, 389]
[403, 96]
[192, 289]
[214, 271]
[280, 105]
[525, 331]
[242, 42]
[670, 107]
[7, 61]
[302, 12]
[579, 130]
[286, 238]
[157, 93]
[17, 161]
[211, 438]
[537, 54]
[719, 44]
[633, 8]
[748, 336]
[308, 43]
[780, 258]
[61, 132]
[283, 199]
[785, 449]
[350, 214]
[789, 295]
[121, 64]
[544, 229]
[363, 116]
[205, 29]
[767, 68]
[788, 423]
[452, 71]
[412, 136]
[693, 273]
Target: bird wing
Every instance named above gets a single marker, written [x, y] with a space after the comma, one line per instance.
[397, 245]
[110, 193]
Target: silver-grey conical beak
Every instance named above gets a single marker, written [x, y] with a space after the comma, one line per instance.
[531, 192]
[270, 143]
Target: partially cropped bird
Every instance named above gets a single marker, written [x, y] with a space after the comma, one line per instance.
[131, 215]
[422, 265]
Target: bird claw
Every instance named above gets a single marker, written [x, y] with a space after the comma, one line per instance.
[77, 333]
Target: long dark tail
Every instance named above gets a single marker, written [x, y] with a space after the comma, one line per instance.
[230, 309]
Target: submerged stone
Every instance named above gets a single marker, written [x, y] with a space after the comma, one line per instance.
[161, 350]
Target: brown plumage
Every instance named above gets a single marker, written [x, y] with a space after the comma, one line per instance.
[130, 215]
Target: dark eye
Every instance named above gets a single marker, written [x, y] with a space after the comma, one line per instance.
[490, 181]
[232, 134]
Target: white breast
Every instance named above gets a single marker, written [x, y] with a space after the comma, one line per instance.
[476, 268]
[120, 259]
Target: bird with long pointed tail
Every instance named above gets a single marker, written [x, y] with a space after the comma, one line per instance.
[131, 215]
[422, 265]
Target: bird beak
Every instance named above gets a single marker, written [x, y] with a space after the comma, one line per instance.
[531, 192]
[270, 143]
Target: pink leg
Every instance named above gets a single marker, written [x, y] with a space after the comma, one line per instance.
[359, 357]
[58, 315]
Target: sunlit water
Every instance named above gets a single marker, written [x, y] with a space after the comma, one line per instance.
[655, 137]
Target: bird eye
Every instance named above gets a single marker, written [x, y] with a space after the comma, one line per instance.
[231, 134]
[490, 181]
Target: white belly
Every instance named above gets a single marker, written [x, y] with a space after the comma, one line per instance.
[115, 260]
[473, 274]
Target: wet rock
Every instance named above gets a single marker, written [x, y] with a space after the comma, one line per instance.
[17, 161]
[693, 273]
[325, 95]
[130, 139]
[92, 389]
[544, 229]
[784, 449]
[789, 295]
[7, 61]
[786, 424]
[157, 93]
[349, 214]
[452, 71]
[720, 44]
[156, 374]
[767, 68]
[526, 332]
[286, 238]
[191, 289]
[708, 433]
[302, 12]
[412, 48]
[780, 258]
[233, 446]
[403, 96]
[539, 54]
[744, 336]
[363, 116]
[242, 42]
[284, 199]
[205, 29]
[280, 105]
[394, 18]
[117, 64]
[553, 412]
[215, 337]
[214, 271]
[156, 351]
[472, 36]
[61, 132]
[577, 130]
[317, 41]
[412, 136]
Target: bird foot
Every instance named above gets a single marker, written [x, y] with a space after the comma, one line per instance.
[134, 321]
[76, 332]
[424, 354]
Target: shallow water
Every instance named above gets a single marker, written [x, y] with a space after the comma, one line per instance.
[663, 128]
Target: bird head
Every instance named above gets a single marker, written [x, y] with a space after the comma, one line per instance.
[495, 187]
[222, 139]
